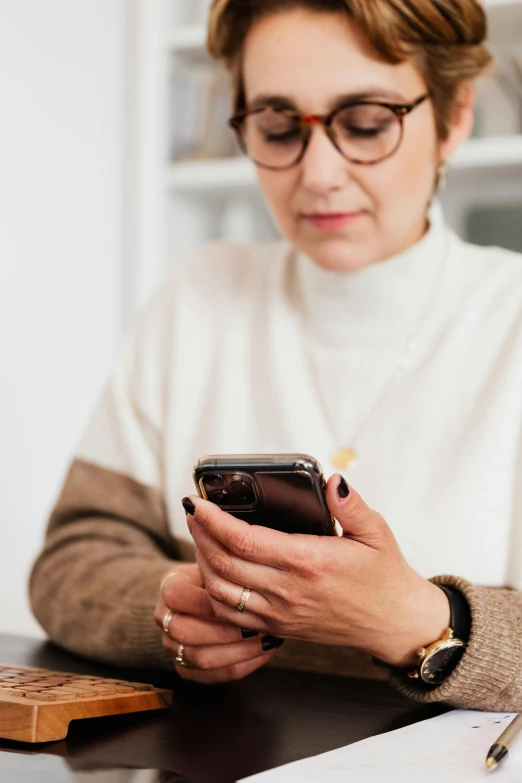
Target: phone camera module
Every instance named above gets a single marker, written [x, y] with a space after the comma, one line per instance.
[218, 496]
[242, 493]
[215, 480]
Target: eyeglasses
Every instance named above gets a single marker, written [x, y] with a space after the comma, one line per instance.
[363, 132]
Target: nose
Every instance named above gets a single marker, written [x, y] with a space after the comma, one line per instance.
[323, 168]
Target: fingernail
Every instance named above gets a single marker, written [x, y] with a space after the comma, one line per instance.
[270, 643]
[343, 490]
[246, 633]
[189, 506]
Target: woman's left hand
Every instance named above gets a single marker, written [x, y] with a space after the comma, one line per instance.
[356, 590]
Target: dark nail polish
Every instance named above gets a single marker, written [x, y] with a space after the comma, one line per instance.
[270, 643]
[246, 633]
[343, 490]
[189, 506]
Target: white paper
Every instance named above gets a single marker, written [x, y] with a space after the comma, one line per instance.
[451, 748]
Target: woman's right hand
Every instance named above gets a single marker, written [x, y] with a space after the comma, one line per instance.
[214, 651]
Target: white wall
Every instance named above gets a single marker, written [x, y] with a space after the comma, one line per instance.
[61, 130]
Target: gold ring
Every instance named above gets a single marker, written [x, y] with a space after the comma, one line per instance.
[169, 614]
[245, 595]
[179, 657]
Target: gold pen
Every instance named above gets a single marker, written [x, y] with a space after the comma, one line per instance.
[501, 747]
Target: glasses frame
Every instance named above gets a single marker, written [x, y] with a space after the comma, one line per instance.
[306, 121]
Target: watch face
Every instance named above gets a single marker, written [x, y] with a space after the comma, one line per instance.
[438, 664]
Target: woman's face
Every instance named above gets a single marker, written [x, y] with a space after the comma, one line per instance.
[312, 60]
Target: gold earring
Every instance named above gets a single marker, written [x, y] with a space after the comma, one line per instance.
[442, 173]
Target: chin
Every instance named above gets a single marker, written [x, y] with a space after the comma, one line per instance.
[336, 254]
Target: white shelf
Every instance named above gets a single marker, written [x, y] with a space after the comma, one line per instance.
[505, 25]
[239, 173]
[187, 38]
[222, 174]
[488, 153]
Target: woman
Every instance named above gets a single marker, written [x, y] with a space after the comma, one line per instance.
[370, 329]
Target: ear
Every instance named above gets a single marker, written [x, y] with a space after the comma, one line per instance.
[462, 121]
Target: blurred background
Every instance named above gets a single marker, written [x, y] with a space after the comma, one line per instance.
[115, 160]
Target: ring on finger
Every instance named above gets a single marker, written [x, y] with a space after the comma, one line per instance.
[180, 659]
[167, 617]
[245, 595]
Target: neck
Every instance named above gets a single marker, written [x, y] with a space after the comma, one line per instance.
[378, 302]
[413, 237]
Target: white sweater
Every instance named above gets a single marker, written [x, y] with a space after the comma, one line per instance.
[254, 349]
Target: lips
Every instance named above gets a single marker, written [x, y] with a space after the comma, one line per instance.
[330, 221]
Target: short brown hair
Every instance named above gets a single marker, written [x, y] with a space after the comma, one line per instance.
[444, 37]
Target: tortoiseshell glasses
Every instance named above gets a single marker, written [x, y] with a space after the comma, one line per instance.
[364, 132]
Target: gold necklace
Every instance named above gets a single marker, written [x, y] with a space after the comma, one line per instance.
[345, 457]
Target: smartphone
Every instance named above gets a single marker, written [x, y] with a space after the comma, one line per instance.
[282, 491]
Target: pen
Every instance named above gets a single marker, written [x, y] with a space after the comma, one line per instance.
[501, 747]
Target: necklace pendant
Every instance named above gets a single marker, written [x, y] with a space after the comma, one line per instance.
[344, 458]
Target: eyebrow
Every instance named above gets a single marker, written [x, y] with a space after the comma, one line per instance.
[365, 94]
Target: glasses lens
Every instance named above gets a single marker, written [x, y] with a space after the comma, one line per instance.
[366, 132]
[272, 137]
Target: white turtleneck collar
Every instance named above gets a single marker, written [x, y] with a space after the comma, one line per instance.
[379, 303]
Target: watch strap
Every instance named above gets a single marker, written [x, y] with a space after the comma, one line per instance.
[460, 613]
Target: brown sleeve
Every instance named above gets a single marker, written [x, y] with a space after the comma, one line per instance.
[95, 584]
[489, 674]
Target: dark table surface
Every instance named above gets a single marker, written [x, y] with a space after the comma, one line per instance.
[215, 734]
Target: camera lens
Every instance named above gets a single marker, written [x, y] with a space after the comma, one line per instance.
[242, 492]
[215, 480]
[218, 496]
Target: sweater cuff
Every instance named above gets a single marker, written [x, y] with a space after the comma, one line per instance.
[492, 658]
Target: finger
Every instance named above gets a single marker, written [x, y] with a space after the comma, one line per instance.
[245, 619]
[227, 674]
[221, 561]
[221, 591]
[257, 614]
[182, 596]
[249, 542]
[358, 521]
[200, 606]
[218, 656]
[186, 629]
[188, 571]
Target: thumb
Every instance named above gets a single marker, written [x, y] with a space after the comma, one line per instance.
[357, 519]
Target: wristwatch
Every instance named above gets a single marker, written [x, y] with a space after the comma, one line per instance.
[437, 660]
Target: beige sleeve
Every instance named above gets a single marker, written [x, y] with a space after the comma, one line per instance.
[95, 584]
[489, 674]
